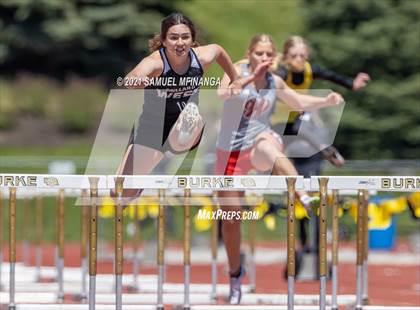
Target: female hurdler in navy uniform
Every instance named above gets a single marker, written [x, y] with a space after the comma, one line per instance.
[170, 120]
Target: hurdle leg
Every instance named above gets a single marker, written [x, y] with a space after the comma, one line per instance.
[136, 242]
[160, 250]
[1, 233]
[93, 240]
[60, 245]
[366, 247]
[360, 247]
[119, 233]
[26, 225]
[214, 236]
[38, 233]
[323, 243]
[187, 248]
[83, 243]
[291, 251]
[334, 304]
[252, 275]
[12, 246]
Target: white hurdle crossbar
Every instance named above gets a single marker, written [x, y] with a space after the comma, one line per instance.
[190, 183]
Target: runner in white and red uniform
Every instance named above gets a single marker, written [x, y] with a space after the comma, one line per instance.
[246, 142]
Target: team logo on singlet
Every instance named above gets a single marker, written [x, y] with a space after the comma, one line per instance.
[177, 93]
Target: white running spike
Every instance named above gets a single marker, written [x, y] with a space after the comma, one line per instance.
[189, 117]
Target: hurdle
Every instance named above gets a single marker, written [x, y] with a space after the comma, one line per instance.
[93, 241]
[209, 307]
[60, 244]
[1, 236]
[365, 293]
[12, 244]
[362, 185]
[187, 249]
[214, 237]
[160, 250]
[84, 244]
[135, 247]
[25, 250]
[291, 264]
[118, 243]
[334, 285]
[188, 184]
[251, 237]
[360, 249]
[38, 236]
[323, 243]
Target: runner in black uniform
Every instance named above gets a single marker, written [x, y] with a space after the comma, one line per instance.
[298, 73]
[170, 75]
[164, 104]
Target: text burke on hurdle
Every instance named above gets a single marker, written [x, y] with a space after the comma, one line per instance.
[17, 180]
[205, 182]
[400, 183]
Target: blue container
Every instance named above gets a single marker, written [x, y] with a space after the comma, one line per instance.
[382, 238]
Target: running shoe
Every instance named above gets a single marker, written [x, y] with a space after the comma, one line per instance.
[235, 293]
[188, 119]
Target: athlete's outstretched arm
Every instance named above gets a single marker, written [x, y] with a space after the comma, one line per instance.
[224, 92]
[147, 68]
[302, 102]
[224, 61]
[213, 52]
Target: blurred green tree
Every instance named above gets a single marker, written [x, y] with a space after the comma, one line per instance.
[381, 38]
[95, 38]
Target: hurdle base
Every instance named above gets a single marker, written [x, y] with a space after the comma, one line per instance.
[181, 307]
[11, 307]
[358, 308]
[60, 299]
[133, 288]
[79, 297]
